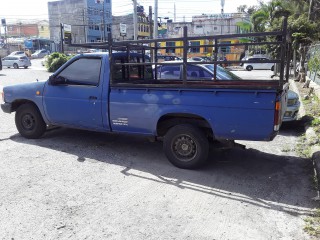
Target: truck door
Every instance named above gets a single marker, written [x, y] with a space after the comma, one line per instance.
[73, 96]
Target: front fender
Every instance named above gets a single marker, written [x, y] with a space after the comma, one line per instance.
[16, 95]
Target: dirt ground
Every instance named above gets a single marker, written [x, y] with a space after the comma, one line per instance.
[74, 184]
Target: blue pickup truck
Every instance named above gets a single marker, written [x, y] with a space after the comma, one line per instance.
[124, 92]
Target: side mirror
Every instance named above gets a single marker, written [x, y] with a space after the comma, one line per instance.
[51, 80]
[56, 80]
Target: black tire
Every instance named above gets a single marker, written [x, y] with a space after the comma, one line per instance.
[29, 121]
[272, 68]
[15, 66]
[186, 146]
[249, 68]
[25, 67]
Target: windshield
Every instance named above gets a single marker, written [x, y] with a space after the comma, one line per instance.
[222, 74]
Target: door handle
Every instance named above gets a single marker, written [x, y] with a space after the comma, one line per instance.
[93, 98]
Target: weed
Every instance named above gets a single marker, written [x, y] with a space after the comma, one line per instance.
[315, 122]
[312, 224]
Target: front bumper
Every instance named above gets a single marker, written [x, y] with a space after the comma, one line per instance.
[291, 113]
[6, 107]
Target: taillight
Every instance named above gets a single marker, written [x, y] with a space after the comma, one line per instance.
[277, 116]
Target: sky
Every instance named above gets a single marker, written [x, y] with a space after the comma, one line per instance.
[13, 10]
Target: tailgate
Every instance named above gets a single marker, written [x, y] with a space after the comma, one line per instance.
[281, 106]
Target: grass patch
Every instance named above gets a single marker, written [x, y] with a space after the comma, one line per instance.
[303, 149]
[315, 122]
[312, 224]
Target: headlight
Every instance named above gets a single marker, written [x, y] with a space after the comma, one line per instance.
[292, 102]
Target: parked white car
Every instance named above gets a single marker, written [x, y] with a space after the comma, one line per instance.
[16, 61]
[18, 53]
[258, 63]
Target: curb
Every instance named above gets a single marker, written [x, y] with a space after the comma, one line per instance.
[311, 135]
[316, 149]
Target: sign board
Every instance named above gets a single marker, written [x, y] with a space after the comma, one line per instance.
[67, 28]
[28, 43]
[67, 33]
[123, 29]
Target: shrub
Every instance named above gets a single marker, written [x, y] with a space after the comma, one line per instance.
[56, 60]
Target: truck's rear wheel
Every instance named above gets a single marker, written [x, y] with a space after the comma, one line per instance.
[186, 146]
[29, 121]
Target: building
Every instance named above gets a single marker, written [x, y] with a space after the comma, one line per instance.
[143, 27]
[22, 30]
[28, 29]
[205, 25]
[43, 29]
[90, 20]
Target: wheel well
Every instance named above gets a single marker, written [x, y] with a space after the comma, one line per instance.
[18, 103]
[170, 120]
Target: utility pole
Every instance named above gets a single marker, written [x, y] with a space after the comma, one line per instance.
[150, 34]
[150, 22]
[155, 26]
[174, 13]
[135, 20]
[104, 22]
[84, 26]
[61, 37]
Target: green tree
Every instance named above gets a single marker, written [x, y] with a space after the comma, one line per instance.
[303, 16]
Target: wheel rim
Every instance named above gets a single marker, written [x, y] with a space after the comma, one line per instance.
[184, 147]
[28, 122]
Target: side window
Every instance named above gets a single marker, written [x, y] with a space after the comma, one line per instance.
[169, 72]
[83, 71]
[253, 60]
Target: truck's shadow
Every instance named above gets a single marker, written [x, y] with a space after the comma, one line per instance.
[281, 183]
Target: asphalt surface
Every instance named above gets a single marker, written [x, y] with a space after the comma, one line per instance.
[74, 184]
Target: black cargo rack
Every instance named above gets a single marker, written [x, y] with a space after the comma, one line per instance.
[153, 45]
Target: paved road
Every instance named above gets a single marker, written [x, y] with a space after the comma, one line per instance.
[75, 184]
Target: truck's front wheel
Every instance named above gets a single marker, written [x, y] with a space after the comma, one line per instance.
[29, 121]
[186, 146]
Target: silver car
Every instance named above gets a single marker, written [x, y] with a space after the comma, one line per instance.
[16, 61]
[293, 106]
[40, 53]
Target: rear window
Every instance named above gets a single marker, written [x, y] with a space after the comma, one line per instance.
[133, 73]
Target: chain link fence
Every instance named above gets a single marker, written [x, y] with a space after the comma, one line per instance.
[313, 57]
